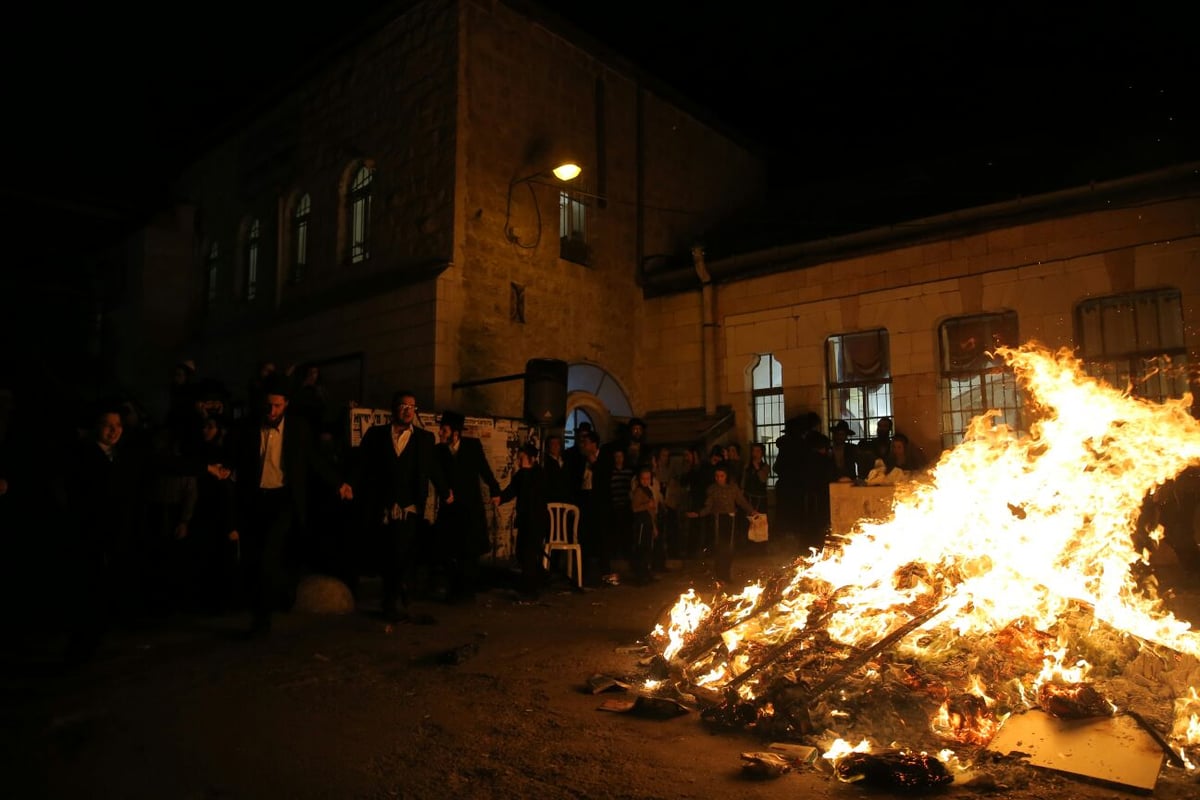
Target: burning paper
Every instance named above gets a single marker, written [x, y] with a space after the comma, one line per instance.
[1011, 568]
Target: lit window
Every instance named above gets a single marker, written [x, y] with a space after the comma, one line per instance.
[858, 370]
[576, 416]
[213, 264]
[1135, 341]
[252, 241]
[974, 380]
[572, 228]
[360, 214]
[766, 381]
[300, 219]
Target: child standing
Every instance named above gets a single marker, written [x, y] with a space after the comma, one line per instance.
[644, 498]
[721, 502]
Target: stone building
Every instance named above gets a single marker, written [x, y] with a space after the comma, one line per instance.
[897, 321]
[393, 218]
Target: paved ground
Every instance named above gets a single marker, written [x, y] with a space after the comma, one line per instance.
[489, 702]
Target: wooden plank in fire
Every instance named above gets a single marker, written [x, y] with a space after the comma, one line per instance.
[701, 647]
[855, 662]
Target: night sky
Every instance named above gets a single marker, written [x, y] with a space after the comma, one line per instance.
[866, 110]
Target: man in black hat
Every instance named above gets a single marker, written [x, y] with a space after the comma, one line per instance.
[845, 453]
[396, 464]
[463, 524]
[273, 457]
[573, 457]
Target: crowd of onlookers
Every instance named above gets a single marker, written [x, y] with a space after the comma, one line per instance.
[222, 503]
[221, 500]
[225, 498]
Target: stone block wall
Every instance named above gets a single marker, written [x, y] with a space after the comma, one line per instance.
[532, 97]
[389, 103]
[450, 103]
[1041, 270]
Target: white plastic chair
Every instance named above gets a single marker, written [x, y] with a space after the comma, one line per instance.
[564, 535]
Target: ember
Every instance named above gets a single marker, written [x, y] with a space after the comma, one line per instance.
[893, 770]
[1002, 582]
[1074, 701]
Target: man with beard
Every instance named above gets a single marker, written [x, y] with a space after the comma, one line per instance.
[273, 458]
[462, 525]
[395, 466]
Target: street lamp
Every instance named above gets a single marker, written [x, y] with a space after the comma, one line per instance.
[564, 172]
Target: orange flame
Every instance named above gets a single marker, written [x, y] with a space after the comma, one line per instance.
[1011, 531]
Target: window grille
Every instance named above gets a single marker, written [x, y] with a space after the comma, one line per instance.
[974, 380]
[572, 228]
[300, 220]
[766, 381]
[1136, 342]
[360, 214]
[858, 374]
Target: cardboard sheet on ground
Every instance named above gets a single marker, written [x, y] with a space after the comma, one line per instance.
[1110, 749]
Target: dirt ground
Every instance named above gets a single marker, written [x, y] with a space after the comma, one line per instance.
[489, 701]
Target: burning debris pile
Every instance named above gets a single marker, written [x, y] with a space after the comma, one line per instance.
[1007, 581]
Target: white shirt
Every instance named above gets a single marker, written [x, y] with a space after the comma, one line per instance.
[400, 439]
[271, 451]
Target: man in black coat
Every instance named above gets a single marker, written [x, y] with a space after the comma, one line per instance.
[391, 479]
[557, 469]
[101, 494]
[528, 488]
[274, 457]
[463, 524]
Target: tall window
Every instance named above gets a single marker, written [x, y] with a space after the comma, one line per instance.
[253, 236]
[766, 381]
[1135, 340]
[572, 228]
[212, 264]
[300, 219]
[974, 380]
[360, 214]
[858, 370]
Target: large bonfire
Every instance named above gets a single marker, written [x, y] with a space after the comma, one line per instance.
[1013, 577]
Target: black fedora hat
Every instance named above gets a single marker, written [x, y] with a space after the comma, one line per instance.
[455, 420]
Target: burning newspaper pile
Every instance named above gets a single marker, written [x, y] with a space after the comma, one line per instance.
[1009, 580]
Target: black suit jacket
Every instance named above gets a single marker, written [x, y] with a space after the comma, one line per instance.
[467, 516]
[103, 498]
[381, 478]
[300, 464]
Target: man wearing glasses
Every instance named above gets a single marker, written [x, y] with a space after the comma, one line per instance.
[392, 476]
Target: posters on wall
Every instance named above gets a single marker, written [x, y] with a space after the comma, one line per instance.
[501, 439]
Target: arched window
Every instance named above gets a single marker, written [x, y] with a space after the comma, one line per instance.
[594, 379]
[576, 416]
[594, 396]
[212, 269]
[359, 198]
[974, 379]
[253, 236]
[300, 220]
[766, 382]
